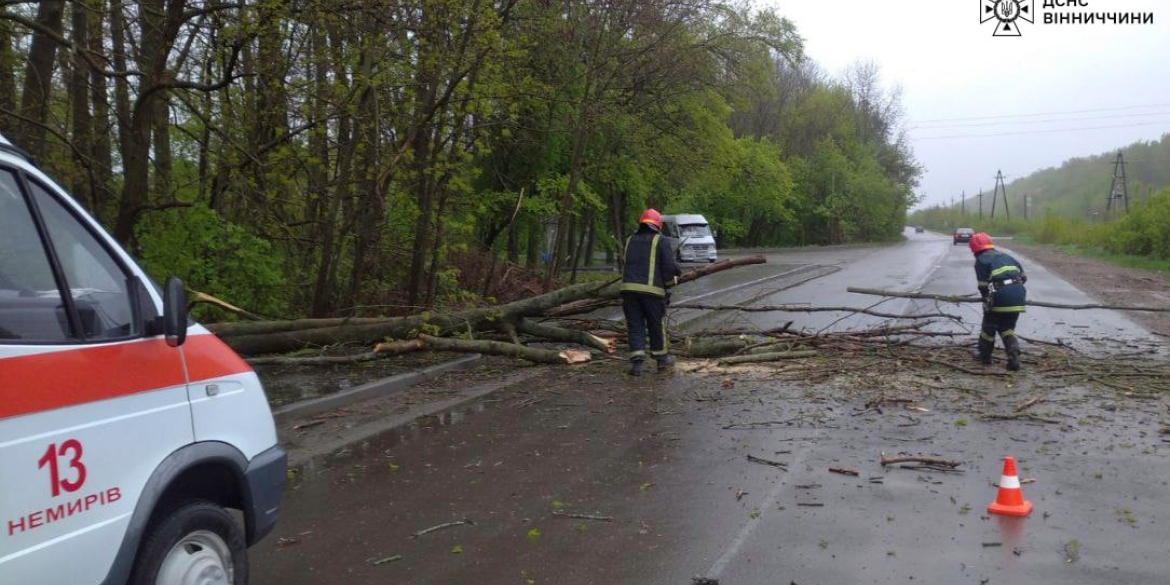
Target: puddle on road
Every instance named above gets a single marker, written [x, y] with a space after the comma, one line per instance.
[420, 429]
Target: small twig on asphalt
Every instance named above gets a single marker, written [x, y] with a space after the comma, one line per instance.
[763, 461]
[903, 440]
[389, 559]
[583, 517]
[916, 459]
[810, 504]
[845, 471]
[441, 527]
[932, 468]
[1021, 415]
[1029, 403]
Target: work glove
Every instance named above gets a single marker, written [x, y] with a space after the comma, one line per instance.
[666, 299]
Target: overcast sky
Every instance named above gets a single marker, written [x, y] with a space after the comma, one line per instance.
[976, 103]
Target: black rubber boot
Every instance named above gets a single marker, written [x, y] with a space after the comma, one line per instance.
[637, 366]
[1012, 346]
[983, 354]
[665, 362]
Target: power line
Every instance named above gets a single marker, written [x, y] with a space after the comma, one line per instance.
[1048, 131]
[1041, 121]
[1147, 106]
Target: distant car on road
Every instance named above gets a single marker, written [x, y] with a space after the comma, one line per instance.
[963, 235]
[919, 229]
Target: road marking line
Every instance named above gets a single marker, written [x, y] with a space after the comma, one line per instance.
[716, 570]
[750, 283]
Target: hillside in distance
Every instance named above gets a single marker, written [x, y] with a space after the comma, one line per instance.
[1079, 187]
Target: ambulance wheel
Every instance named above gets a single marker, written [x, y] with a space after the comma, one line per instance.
[198, 543]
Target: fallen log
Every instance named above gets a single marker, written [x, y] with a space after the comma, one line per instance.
[766, 357]
[368, 333]
[971, 299]
[552, 333]
[532, 354]
[252, 339]
[381, 350]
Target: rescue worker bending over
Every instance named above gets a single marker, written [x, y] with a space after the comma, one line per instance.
[1001, 283]
[649, 266]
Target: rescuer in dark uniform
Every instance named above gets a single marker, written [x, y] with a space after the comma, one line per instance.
[649, 266]
[1001, 283]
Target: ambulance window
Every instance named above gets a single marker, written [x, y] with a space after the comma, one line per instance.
[30, 302]
[96, 281]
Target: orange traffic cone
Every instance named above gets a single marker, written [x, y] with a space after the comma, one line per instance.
[1010, 500]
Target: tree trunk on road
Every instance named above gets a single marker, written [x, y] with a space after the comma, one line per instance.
[282, 336]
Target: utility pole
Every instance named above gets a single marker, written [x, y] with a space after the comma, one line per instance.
[1118, 188]
[981, 204]
[963, 209]
[1000, 187]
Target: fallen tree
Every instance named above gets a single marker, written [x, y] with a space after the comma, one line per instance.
[256, 338]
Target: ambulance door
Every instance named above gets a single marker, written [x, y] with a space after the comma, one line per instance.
[91, 400]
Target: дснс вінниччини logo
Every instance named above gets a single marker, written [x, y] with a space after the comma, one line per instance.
[1008, 13]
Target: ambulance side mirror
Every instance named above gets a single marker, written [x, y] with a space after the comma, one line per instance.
[174, 311]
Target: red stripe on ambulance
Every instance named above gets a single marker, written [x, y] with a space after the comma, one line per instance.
[208, 358]
[46, 381]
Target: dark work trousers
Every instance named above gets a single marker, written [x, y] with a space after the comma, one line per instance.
[645, 314]
[1005, 325]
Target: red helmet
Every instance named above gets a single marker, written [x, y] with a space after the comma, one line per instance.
[980, 242]
[652, 217]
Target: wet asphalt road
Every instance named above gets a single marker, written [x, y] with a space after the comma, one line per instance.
[683, 502]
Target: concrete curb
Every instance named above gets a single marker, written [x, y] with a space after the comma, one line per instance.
[395, 383]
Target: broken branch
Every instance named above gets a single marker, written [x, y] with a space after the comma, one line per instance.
[919, 459]
[809, 309]
[767, 357]
[763, 461]
[972, 299]
[442, 527]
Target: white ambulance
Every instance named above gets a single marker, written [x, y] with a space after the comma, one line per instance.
[126, 432]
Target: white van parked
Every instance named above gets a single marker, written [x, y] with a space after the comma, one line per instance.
[126, 432]
[690, 236]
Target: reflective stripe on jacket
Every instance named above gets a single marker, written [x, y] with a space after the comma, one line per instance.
[649, 263]
[999, 272]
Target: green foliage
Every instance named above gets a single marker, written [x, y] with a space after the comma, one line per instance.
[347, 176]
[215, 256]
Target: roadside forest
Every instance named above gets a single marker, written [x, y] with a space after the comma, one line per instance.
[357, 158]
